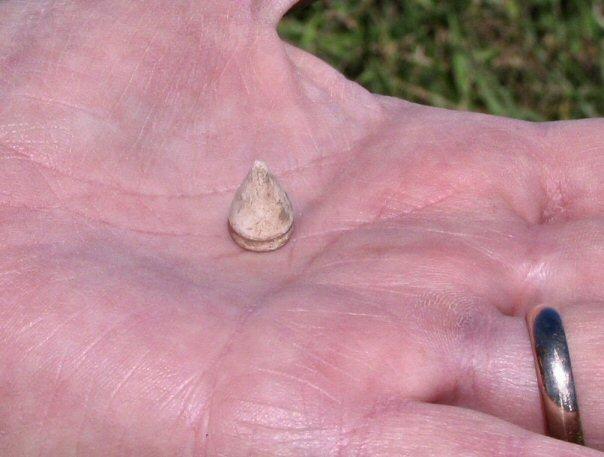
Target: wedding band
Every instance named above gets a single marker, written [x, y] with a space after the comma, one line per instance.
[554, 374]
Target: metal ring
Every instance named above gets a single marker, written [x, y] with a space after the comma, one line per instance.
[555, 375]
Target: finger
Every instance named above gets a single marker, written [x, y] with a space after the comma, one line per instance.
[567, 262]
[504, 381]
[574, 165]
[428, 430]
[317, 361]
[390, 428]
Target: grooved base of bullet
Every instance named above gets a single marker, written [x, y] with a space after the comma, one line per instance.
[261, 245]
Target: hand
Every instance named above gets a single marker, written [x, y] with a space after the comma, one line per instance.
[391, 324]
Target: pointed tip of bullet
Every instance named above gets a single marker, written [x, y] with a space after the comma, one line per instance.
[260, 165]
[261, 216]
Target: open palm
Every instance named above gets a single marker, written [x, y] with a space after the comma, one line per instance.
[391, 324]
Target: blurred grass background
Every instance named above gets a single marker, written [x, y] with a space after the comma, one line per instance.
[532, 59]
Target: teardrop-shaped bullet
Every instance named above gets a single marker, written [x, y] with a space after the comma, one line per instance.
[261, 216]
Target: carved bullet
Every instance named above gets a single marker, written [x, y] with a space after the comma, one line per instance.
[261, 216]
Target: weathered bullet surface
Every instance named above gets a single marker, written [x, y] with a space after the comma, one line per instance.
[261, 216]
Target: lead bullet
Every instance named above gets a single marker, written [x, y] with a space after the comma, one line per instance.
[261, 217]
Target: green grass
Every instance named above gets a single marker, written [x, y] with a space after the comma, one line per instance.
[532, 59]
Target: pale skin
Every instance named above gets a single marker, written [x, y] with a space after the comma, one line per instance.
[392, 323]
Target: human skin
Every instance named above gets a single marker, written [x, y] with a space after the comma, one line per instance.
[392, 323]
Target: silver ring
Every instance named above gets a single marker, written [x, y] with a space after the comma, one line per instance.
[555, 375]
